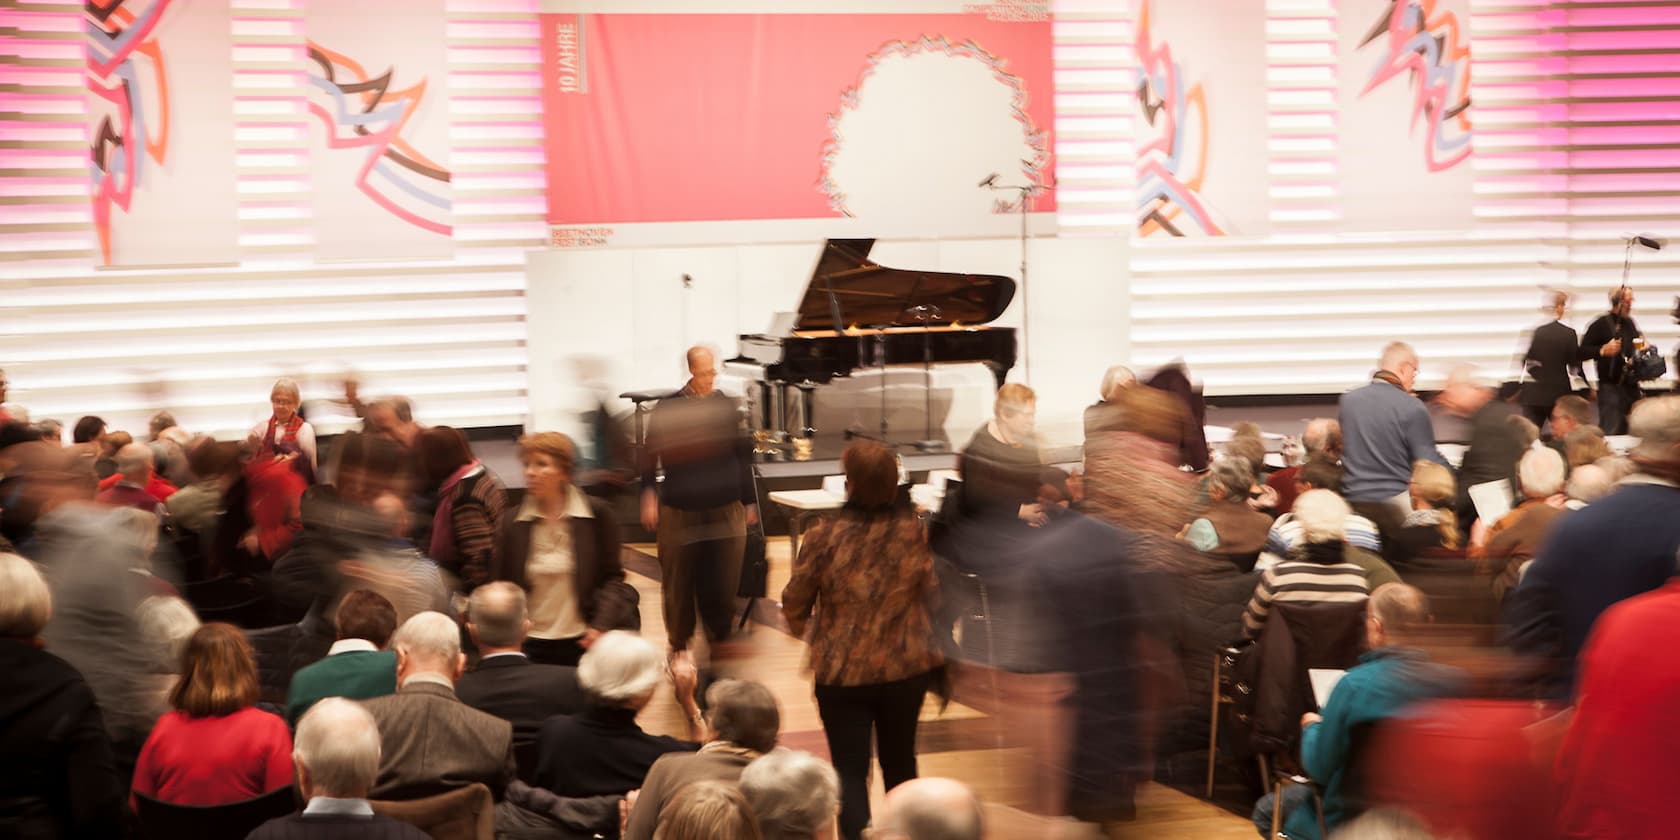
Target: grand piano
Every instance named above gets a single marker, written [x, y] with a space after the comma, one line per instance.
[859, 314]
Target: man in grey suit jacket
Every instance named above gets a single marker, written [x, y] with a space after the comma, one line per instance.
[431, 742]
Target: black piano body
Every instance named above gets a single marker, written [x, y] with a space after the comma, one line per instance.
[858, 314]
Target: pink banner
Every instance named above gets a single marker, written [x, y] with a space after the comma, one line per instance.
[681, 118]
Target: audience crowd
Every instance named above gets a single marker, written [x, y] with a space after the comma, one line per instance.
[370, 635]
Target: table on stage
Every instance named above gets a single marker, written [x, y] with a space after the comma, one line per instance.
[801, 506]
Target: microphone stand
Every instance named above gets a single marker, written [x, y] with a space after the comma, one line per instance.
[1026, 191]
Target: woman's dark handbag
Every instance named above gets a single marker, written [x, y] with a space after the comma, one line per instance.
[755, 567]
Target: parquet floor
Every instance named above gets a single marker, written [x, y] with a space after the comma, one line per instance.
[958, 742]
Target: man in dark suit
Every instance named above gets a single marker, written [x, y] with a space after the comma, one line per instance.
[506, 683]
[1553, 354]
[432, 742]
[337, 756]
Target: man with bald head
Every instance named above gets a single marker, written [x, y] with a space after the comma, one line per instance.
[1392, 676]
[703, 508]
[506, 683]
[1322, 441]
[930, 808]
[134, 471]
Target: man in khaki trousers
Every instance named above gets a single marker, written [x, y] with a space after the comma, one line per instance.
[702, 509]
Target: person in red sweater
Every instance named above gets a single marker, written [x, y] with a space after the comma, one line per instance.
[1616, 773]
[216, 747]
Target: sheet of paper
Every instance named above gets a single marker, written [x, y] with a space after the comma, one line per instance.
[1323, 682]
[1492, 499]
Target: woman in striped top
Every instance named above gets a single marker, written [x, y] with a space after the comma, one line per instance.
[1315, 570]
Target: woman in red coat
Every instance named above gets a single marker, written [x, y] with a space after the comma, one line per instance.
[216, 747]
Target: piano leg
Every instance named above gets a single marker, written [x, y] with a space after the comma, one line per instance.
[807, 415]
[999, 372]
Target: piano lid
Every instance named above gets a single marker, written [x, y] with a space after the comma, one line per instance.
[870, 295]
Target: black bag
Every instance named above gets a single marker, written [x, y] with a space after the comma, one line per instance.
[1648, 364]
[755, 567]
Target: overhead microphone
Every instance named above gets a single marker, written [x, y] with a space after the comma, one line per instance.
[989, 180]
[1647, 241]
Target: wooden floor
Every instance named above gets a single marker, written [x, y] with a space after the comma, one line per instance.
[959, 742]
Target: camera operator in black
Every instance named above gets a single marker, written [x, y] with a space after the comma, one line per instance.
[1609, 342]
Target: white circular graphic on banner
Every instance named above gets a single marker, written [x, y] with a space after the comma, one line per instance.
[925, 124]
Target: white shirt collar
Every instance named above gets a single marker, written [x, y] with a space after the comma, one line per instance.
[517, 653]
[348, 645]
[333, 805]
[577, 506]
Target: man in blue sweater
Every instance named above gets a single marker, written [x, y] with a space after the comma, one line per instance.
[1389, 678]
[1615, 548]
[1385, 429]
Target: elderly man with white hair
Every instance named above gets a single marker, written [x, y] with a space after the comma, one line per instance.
[336, 752]
[1505, 547]
[1587, 484]
[434, 743]
[60, 776]
[1617, 547]
[601, 751]
[931, 808]
[1317, 570]
[1104, 414]
[134, 471]
[1384, 430]
[795, 795]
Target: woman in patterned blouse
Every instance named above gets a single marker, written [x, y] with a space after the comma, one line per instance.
[864, 583]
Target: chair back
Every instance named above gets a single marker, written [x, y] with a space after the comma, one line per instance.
[466, 813]
[1326, 635]
[166, 820]
[1458, 594]
[1272, 688]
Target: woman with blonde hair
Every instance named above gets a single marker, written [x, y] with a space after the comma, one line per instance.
[707, 810]
[1001, 464]
[216, 747]
[1432, 523]
[562, 546]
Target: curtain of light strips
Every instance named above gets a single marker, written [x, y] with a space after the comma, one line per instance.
[206, 342]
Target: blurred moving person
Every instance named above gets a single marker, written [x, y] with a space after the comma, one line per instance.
[702, 509]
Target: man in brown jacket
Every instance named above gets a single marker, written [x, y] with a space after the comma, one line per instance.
[430, 741]
[741, 722]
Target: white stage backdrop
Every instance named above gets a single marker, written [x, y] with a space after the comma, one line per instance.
[1405, 115]
[160, 118]
[379, 129]
[1201, 144]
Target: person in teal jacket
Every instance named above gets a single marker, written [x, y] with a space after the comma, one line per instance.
[1389, 679]
[357, 666]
